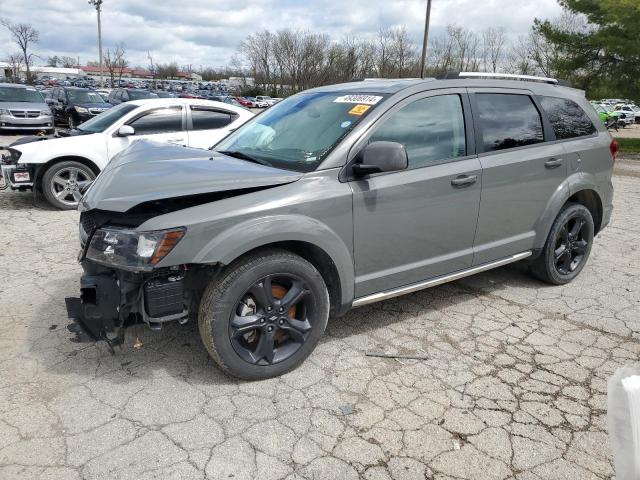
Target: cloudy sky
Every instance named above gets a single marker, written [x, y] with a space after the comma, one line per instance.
[207, 32]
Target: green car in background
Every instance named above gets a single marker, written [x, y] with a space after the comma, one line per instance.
[608, 117]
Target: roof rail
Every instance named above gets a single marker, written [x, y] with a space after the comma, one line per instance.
[373, 79]
[503, 76]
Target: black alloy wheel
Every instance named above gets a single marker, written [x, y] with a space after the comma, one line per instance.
[571, 245]
[567, 247]
[270, 323]
[264, 314]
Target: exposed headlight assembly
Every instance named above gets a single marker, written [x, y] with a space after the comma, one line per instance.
[130, 250]
[81, 109]
[11, 157]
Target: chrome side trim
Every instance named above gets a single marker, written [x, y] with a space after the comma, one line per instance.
[377, 297]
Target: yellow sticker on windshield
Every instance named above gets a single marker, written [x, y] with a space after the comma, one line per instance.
[359, 109]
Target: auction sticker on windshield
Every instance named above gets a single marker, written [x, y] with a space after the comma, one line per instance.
[359, 109]
[363, 99]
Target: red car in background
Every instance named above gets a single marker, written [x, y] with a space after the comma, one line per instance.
[191, 95]
[245, 102]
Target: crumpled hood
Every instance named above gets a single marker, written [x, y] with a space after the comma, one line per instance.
[149, 171]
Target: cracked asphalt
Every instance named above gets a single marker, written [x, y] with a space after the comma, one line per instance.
[514, 384]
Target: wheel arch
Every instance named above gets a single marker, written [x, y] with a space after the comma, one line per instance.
[305, 236]
[590, 199]
[65, 158]
[320, 259]
[579, 189]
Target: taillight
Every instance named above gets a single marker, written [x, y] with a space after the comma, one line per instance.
[614, 148]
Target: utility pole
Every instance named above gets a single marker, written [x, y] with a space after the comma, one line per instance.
[98, 5]
[423, 63]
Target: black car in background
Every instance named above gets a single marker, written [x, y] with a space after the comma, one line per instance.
[74, 105]
[121, 95]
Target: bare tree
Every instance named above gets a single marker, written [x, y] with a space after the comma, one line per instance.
[15, 66]
[68, 62]
[24, 35]
[167, 71]
[519, 58]
[403, 52]
[258, 49]
[115, 62]
[493, 43]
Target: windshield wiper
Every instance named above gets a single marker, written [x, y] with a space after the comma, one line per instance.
[243, 156]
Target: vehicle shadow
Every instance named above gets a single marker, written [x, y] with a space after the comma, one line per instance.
[19, 201]
[178, 351]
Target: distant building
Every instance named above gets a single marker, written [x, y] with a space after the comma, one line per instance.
[139, 73]
[51, 72]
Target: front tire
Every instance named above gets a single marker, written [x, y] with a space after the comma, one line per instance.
[568, 246]
[264, 316]
[62, 182]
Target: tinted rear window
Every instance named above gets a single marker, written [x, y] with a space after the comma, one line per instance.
[207, 119]
[567, 118]
[508, 121]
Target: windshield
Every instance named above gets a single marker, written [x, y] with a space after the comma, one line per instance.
[101, 122]
[141, 94]
[299, 132]
[84, 96]
[12, 94]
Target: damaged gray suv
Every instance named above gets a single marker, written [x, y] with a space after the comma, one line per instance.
[338, 197]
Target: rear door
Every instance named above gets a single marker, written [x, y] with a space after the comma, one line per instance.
[207, 125]
[418, 223]
[520, 170]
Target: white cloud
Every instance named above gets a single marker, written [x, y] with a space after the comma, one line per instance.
[207, 32]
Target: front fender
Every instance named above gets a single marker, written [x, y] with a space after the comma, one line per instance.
[233, 242]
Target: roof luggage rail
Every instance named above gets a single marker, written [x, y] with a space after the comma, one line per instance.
[502, 76]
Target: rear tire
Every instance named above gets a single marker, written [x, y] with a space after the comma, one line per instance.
[568, 246]
[264, 316]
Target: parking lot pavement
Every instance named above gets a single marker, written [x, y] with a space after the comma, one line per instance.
[514, 384]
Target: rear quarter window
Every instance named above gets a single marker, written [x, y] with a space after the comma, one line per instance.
[567, 118]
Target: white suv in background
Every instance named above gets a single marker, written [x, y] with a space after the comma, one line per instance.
[61, 167]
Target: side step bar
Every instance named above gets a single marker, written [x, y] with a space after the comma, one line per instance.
[377, 297]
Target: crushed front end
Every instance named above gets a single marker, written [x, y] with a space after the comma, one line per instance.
[121, 284]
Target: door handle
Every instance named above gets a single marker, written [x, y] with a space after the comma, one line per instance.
[553, 163]
[464, 180]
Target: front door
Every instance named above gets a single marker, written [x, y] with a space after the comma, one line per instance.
[418, 223]
[161, 125]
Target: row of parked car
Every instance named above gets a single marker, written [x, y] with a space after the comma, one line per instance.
[98, 132]
[41, 110]
[617, 113]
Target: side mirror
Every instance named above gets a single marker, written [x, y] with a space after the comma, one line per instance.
[126, 131]
[381, 157]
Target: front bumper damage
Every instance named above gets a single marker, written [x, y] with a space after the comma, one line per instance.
[110, 300]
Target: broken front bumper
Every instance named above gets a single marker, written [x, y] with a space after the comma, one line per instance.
[110, 299]
[17, 176]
